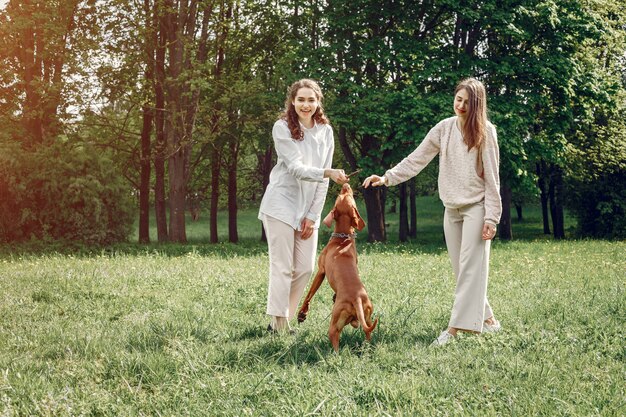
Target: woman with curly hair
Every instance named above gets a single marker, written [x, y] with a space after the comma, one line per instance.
[469, 187]
[293, 201]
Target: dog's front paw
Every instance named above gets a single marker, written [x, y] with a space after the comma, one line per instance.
[301, 316]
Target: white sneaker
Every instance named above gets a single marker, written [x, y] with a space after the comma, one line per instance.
[443, 338]
[492, 328]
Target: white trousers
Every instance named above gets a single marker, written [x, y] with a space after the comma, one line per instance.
[469, 255]
[291, 264]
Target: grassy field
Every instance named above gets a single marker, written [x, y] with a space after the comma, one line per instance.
[165, 330]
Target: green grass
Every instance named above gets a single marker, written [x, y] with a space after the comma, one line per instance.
[179, 330]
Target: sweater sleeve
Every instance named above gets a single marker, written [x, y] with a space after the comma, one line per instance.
[317, 205]
[288, 154]
[491, 163]
[418, 159]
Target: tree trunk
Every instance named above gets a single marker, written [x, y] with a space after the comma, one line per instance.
[374, 197]
[42, 52]
[233, 236]
[182, 101]
[31, 119]
[146, 131]
[556, 203]
[404, 215]
[559, 232]
[345, 147]
[543, 188]
[375, 214]
[144, 187]
[413, 211]
[296, 20]
[518, 209]
[506, 231]
[160, 201]
[216, 155]
[215, 194]
[393, 209]
[314, 34]
[177, 197]
[174, 129]
[265, 166]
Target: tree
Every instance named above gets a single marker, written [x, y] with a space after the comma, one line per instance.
[239, 106]
[595, 175]
[125, 65]
[41, 42]
[186, 31]
[56, 183]
[365, 60]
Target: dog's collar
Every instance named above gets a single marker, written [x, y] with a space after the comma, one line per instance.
[344, 235]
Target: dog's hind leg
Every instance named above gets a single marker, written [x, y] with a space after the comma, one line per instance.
[333, 335]
[338, 321]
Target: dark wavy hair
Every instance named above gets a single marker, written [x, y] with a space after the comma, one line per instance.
[290, 114]
[475, 126]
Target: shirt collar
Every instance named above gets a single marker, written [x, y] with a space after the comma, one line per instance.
[304, 128]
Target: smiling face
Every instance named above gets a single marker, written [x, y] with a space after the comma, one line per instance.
[305, 103]
[461, 103]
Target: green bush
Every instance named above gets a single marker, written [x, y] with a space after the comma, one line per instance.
[600, 206]
[62, 193]
[596, 184]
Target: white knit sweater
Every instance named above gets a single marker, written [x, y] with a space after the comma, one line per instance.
[459, 183]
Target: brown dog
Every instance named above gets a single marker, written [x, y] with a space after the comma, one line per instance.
[338, 262]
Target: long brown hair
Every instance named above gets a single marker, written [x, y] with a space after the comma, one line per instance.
[475, 126]
[290, 114]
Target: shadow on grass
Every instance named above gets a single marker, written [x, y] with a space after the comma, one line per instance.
[311, 346]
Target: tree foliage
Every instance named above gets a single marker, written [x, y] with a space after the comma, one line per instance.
[391, 76]
[192, 88]
[53, 187]
[44, 51]
[596, 169]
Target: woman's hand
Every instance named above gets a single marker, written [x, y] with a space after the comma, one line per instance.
[308, 227]
[489, 231]
[375, 180]
[337, 175]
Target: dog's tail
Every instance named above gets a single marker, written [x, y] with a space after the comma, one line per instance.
[361, 315]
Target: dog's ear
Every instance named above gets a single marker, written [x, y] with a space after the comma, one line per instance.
[357, 220]
[328, 220]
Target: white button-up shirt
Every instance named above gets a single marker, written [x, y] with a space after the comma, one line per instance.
[297, 187]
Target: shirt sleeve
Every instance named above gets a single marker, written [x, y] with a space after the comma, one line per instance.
[289, 154]
[491, 164]
[418, 159]
[317, 204]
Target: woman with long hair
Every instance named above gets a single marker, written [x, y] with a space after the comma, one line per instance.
[293, 201]
[469, 187]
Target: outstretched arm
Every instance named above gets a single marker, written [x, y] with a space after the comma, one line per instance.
[413, 163]
[375, 181]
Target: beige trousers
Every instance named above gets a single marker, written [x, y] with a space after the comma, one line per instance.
[291, 264]
[469, 255]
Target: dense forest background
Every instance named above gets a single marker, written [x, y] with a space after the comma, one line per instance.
[115, 109]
